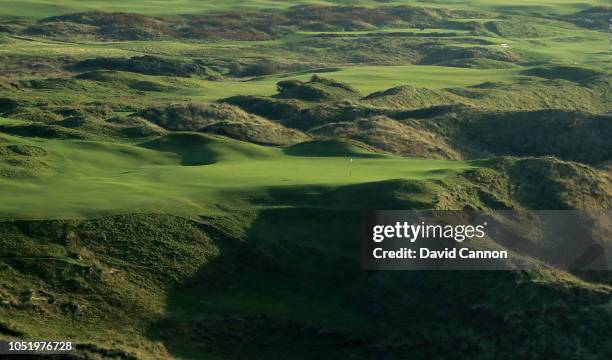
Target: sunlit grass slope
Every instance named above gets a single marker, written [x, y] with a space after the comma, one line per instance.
[366, 79]
[189, 173]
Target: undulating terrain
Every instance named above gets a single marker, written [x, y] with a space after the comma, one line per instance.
[184, 179]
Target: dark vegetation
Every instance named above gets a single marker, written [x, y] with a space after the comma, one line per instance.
[568, 135]
[443, 131]
[592, 96]
[593, 18]
[110, 79]
[76, 122]
[465, 132]
[115, 26]
[440, 54]
[217, 273]
[250, 25]
[469, 122]
[16, 66]
[383, 133]
[382, 49]
[42, 131]
[570, 73]
[221, 119]
[258, 68]
[275, 109]
[150, 65]
[22, 161]
[541, 183]
[317, 89]
[379, 48]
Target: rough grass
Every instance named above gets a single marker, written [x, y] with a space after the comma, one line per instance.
[594, 17]
[149, 65]
[542, 183]
[136, 285]
[594, 97]
[388, 135]
[571, 73]
[319, 89]
[221, 119]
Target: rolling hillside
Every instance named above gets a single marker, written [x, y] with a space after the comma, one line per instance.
[186, 179]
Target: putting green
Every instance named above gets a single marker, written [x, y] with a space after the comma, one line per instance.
[87, 179]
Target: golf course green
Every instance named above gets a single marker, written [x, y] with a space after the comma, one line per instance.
[190, 173]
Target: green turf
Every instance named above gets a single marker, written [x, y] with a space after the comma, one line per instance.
[384, 31]
[366, 79]
[216, 248]
[89, 179]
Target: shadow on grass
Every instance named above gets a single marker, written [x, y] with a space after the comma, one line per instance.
[287, 283]
[330, 148]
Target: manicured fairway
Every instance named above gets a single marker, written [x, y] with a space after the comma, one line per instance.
[374, 78]
[366, 79]
[87, 179]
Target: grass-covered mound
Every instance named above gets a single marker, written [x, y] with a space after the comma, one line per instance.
[199, 149]
[101, 25]
[122, 285]
[593, 95]
[596, 17]
[478, 63]
[221, 119]
[571, 73]
[60, 83]
[331, 148]
[317, 89]
[271, 108]
[260, 131]
[459, 131]
[443, 54]
[323, 114]
[553, 94]
[8, 105]
[43, 131]
[407, 96]
[5, 39]
[243, 25]
[525, 28]
[149, 65]
[119, 127]
[391, 136]
[93, 121]
[475, 133]
[126, 80]
[541, 183]
[191, 116]
[18, 161]
[98, 274]
[192, 173]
